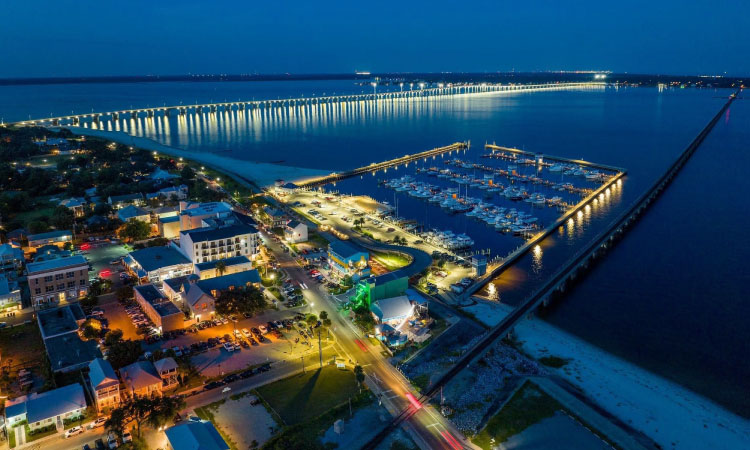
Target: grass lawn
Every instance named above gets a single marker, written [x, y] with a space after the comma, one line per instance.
[34, 214]
[11, 437]
[528, 406]
[306, 396]
[30, 438]
[32, 350]
[317, 240]
[391, 261]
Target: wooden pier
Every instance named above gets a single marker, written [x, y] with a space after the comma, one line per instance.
[375, 167]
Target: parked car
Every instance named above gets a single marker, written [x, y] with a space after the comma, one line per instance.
[112, 441]
[100, 445]
[228, 346]
[99, 422]
[127, 437]
[73, 431]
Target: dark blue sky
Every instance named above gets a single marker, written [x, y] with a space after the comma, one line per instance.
[65, 38]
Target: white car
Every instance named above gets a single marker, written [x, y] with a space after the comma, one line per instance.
[98, 422]
[127, 437]
[263, 329]
[228, 346]
[246, 332]
[73, 431]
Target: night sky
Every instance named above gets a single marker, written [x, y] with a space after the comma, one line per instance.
[65, 38]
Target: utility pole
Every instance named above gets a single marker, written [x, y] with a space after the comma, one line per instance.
[302, 358]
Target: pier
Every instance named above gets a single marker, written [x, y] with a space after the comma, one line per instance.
[418, 93]
[544, 157]
[375, 167]
[568, 271]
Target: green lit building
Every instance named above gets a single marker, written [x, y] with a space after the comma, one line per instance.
[379, 287]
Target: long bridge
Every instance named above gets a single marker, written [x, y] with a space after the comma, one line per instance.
[421, 94]
[375, 167]
[568, 271]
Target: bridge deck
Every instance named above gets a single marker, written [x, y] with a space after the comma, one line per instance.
[574, 263]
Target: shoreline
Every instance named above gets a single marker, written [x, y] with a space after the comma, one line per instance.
[261, 175]
[663, 410]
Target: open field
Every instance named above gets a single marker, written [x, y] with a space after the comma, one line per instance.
[303, 397]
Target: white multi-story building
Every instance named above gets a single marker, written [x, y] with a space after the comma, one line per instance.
[210, 244]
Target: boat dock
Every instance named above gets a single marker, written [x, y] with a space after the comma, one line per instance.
[375, 167]
[567, 272]
[536, 156]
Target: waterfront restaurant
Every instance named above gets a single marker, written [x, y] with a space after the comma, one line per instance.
[346, 259]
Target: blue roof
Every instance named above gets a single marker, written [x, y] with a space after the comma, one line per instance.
[50, 235]
[130, 212]
[226, 281]
[213, 234]
[233, 261]
[195, 435]
[344, 249]
[207, 208]
[57, 263]
[154, 258]
[101, 373]
[51, 403]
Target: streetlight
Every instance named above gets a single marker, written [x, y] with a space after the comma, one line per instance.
[374, 87]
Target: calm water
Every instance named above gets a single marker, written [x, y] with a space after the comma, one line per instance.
[668, 297]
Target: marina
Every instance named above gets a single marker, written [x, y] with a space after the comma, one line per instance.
[495, 202]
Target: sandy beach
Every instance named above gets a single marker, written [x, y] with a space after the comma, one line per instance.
[665, 411]
[262, 174]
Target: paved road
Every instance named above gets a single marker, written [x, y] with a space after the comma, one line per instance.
[427, 427]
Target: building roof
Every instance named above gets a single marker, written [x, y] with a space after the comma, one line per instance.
[102, 374]
[139, 375]
[294, 224]
[233, 261]
[68, 350]
[155, 258]
[8, 251]
[380, 280]
[213, 234]
[125, 197]
[226, 281]
[6, 287]
[40, 406]
[50, 235]
[56, 263]
[130, 212]
[392, 308]
[195, 435]
[165, 364]
[274, 212]
[73, 202]
[169, 219]
[158, 301]
[344, 249]
[59, 320]
[208, 208]
[160, 174]
[176, 283]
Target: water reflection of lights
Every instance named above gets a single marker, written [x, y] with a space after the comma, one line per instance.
[492, 293]
[537, 259]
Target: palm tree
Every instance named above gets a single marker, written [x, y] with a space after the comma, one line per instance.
[163, 409]
[359, 374]
[221, 268]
